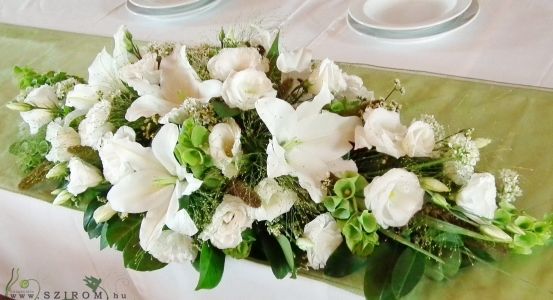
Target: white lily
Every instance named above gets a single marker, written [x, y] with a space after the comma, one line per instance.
[178, 81]
[42, 99]
[155, 187]
[306, 142]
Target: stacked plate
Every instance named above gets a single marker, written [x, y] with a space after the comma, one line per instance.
[169, 8]
[409, 19]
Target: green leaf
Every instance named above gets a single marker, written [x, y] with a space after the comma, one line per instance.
[274, 254]
[103, 240]
[134, 257]
[196, 263]
[342, 262]
[433, 270]
[223, 110]
[199, 136]
[119, 233]
[273, 52]
[288, 253]
[212, 265]
[90, 226]
[407, 243]
[378, 273]
[407, 272]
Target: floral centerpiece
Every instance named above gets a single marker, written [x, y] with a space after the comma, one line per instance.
[189, 154]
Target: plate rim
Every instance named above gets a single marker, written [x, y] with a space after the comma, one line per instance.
[356, 7]
[166, 6]
[184, 11]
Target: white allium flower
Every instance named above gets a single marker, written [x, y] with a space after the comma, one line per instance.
[95, 124]
[82, 176]
[509, 188]
[228, 60]
[329, 74]
[419, 140]
[465, 155]
[60, 138]
[231, 217]
[43, 100]
[275, 200]
[383, 130]
[242, 89]
[394, 197]
[114, 165]
[172, 246]
[225, 147]
[297, 61]
[323, 237]
[477, 197]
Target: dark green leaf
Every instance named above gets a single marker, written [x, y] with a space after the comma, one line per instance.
[407, 272]
[274, 254]
[90, 226]
[134, 257]
[287, 250]
[196, 263]
[212, 265]
[342, 262]
[273, 53]
[379, 272]
[223, 110]
[119, 233]
[103, 240]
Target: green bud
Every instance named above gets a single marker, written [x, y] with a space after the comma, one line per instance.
[337, 106]
[439, 200]
[503, 216]
[495, 233]
[514, 229]
[192, 157]
[103, 213]
[345, 188]
[58, 171]
[19, 106]
[199, 136]
[525, 222]
[304, 243]
[368, 222]
[343, 211]
[62, 197]
[332, 202]
[433, 185]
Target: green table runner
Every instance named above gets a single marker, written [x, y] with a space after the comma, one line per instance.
[518, 119]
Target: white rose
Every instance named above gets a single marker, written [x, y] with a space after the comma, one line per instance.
[113, 154]
[82, 176]
[242, 89]
[419, 140]
[235, 59]
[478, 195]
[143, 76]
[329, 74]
[225, 147]
[297, 61]
[172, 246]
[323, 237]
[382, 130]
[355, 88]
[60, 138]
[43, 99]
[95, 124]
[394, 197]
[275, 200]
[231, 217]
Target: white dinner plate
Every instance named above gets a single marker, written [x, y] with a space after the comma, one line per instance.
[397, 15]
[181, 11]
[418, 34]
[161, 4]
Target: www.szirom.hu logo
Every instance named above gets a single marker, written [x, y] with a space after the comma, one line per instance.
[29, 288]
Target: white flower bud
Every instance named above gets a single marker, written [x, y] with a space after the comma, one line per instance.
[433, 184]
[495, 233]
[103, 213]
[62, 197]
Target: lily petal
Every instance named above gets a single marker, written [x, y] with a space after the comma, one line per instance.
[82, 97]
[147, 106]
[178, 79]
[314, 107]
[151, 226]
[163, 147]
[179, 220]
[275, 113]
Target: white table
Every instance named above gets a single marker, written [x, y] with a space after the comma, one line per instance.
[510, 41]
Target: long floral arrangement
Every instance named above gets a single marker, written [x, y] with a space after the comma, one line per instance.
[190, 154]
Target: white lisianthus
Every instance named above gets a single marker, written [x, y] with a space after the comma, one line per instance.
[297, 61]
[178, 81]
[42, 99]
[477, 197]
[155, 186]
[115, 166]
[82, 176]
[394, 197]
[103, 213]
[231, 217]
[275, 200]
[95, 124]
[228, 60]
[322, 236]
[307, 142]
[225, 147]
[60, 138]
[120, 54]
[143, 76]
[355, 88]
[382, 130]
[242, 89]
[172, 246]
[262, 37]
[419, 140]
[329, 74]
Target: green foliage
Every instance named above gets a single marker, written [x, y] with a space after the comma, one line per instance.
[244, 248]
[274, 73]
[274, 254]
[201, 205]
[288, 253]
[407, 272]
[348, 196]
[198, 58]
[130, 46]
[378, 274]
[212, 265]
[30, 151]
[29, 78]
[192, 146]
[346, 107]
[87, 154]
[360, 233]
[223, 110]
[342, 262]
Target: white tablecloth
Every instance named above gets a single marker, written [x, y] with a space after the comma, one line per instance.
[509, 41]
